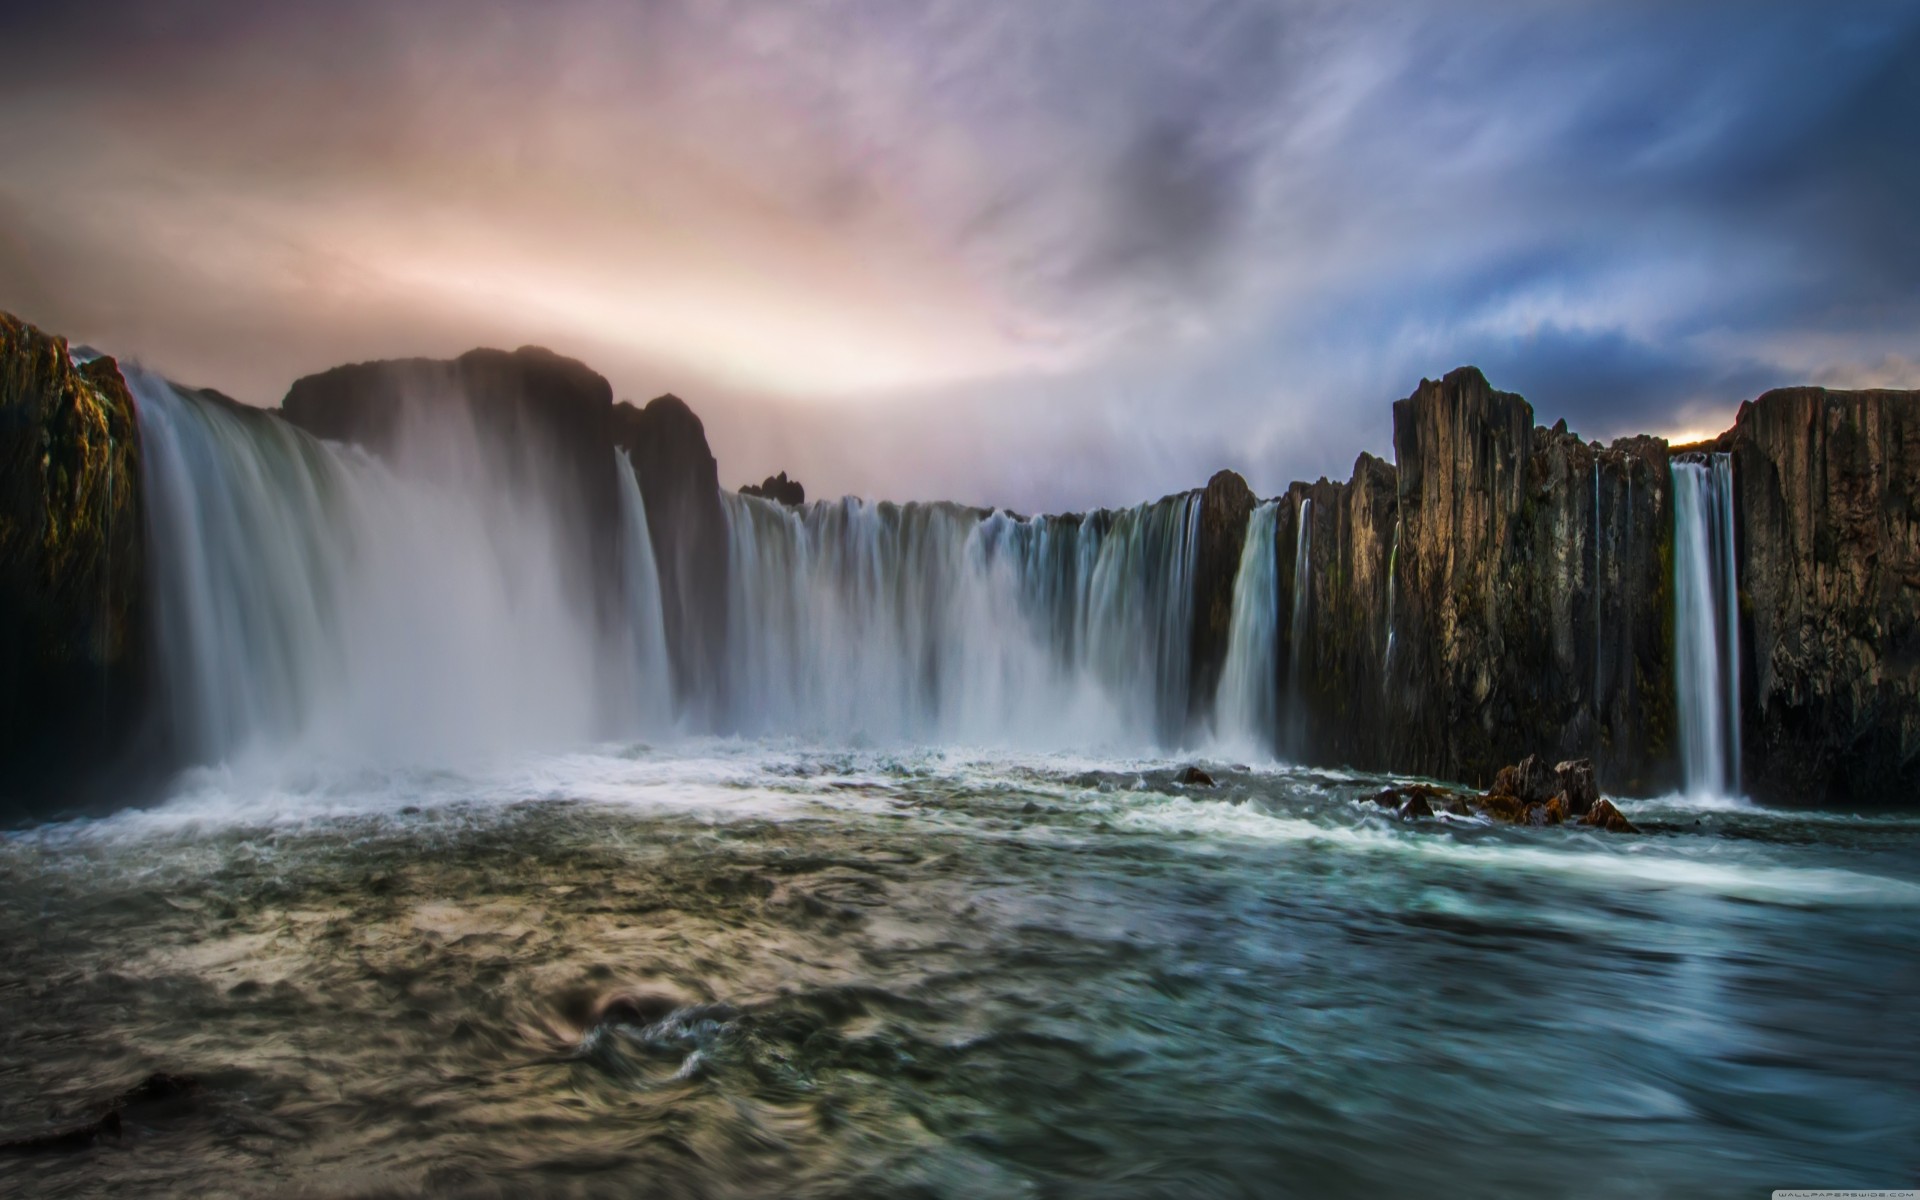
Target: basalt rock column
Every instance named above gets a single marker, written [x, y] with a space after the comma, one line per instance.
[1828, 498]
[71, 565]
[1501, 580]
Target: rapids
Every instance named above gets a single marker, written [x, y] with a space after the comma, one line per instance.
[746, 968]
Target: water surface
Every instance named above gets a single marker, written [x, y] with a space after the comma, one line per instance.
[747, 969]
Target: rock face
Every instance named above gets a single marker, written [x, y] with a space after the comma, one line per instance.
[1333, 635]
[1225, 505]
[681, 484]
[1828, 511]
[778, 488]
[72, 658]
[1502, 588]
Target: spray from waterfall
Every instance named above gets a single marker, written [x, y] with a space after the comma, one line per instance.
[1302, 596]
[1706, 625]
[312, 600]
[1245, 702]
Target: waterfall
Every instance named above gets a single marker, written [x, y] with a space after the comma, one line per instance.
[933, 622]
[1244, 704]
[1393, 567]
[645, 626]
[1706, 625]
[312, 599]
[1596, 592]
[1302, 596]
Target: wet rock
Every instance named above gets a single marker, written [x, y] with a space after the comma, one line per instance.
[1576, 783]
[1603, 815]
[1415, 801]
[779, 489]
[1828, 498]
[72, 568]
[64, 1141]
[1195, 777]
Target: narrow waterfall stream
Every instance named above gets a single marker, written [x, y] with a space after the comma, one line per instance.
[1302, 597]
[1706, 625]
[1246, 701]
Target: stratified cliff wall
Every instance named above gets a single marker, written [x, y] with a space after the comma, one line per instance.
[72, 646]
[1502, 591]
[1829, 562]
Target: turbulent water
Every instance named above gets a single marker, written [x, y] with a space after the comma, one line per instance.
[950, 974]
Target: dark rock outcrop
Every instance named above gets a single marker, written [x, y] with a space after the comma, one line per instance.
[680, 482]
[1195, 777]
[72, 578]
[1533, 593]
[1828, 504]
[778, 488]
[1225, 505]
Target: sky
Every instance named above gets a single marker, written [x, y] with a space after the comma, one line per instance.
[1046, 256]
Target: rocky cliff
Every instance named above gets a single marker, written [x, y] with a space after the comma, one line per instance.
[1828, 503]
[681, 483]
[1502, 590]
[71, 579]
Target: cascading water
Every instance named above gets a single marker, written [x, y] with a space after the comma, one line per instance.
[1596, 593]
[1393, 569]
[1302, 597]
[645, 627]
[312, 598]
[1706, 625]
[930, 621]
[1244, 705]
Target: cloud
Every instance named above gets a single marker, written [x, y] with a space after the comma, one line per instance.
[1047, 255]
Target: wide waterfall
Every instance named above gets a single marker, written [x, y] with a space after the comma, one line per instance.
[1245, 704]
[1706, 625]
[310, 597]
[887, 622]
[1302, 598]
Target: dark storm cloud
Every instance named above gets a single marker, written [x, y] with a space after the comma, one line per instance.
[1050, 254]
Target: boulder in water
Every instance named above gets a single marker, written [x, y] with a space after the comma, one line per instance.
[1577, 785]
[1195, 777]
[1603, 815]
